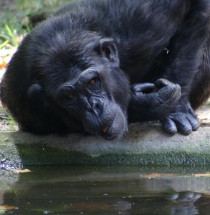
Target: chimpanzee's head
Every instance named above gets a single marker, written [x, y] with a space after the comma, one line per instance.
[78, 73]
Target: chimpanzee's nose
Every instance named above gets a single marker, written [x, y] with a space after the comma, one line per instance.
[96, 106]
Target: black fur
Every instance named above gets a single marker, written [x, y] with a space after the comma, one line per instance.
[131, 45]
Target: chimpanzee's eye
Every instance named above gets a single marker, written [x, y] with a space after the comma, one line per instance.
[70, 96]
[92, 81]
[94, 84]
[66, 92]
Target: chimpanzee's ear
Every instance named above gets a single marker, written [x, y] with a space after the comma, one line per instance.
[108, 50]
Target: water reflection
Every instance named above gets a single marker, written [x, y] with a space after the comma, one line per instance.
[105, 190]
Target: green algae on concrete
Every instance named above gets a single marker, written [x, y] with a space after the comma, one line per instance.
[143, 145]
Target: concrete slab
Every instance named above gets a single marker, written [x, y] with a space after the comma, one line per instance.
[143, 145]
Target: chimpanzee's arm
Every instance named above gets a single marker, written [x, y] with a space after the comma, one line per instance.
[182, 63]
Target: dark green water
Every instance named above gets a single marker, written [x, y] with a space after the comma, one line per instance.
[105, 190]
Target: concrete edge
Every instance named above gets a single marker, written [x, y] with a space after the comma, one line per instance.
[143, 145]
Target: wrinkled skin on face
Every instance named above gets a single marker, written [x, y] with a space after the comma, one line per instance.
[93, 103]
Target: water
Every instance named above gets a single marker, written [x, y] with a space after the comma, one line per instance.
[105, 190]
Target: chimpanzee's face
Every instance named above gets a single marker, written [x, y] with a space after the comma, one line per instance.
[93, 102]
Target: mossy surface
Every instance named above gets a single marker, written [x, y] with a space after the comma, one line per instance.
[147, 147]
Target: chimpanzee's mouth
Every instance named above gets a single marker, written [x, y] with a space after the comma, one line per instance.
[116, 129]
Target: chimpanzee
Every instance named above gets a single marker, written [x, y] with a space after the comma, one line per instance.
[96, 65]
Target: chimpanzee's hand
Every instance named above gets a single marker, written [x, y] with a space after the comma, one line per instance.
[153, 101]
[182, 119]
